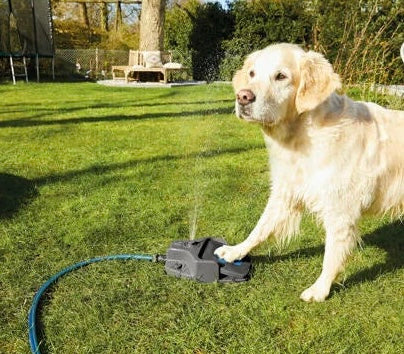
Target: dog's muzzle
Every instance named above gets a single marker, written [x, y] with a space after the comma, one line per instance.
[244, 100]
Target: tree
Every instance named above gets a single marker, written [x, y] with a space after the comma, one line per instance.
[84, 15]
[260, 23]
[118, 16]
[104, 16]
[152, 25]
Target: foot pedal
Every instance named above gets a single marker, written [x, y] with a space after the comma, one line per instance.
[195, 259]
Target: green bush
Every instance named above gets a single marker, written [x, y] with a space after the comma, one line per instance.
[212, 26]
[177, 30]
[196, 31]
[258, 24]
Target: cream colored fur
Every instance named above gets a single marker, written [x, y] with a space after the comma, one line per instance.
[338, 158]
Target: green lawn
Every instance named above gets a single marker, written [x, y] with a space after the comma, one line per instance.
[87, 170]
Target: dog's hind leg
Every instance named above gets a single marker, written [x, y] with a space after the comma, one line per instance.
[340, 241]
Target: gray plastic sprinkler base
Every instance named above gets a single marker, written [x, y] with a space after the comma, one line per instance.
[195, 259]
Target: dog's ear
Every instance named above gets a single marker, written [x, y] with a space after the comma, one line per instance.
[317, 81]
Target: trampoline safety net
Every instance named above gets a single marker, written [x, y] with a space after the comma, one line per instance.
[26, 28]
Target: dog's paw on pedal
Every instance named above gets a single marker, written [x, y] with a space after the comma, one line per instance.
[229, 253]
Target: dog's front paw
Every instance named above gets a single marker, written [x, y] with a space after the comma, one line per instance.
[230, 253]
[316, 293]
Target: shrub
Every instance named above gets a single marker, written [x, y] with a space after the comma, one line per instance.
[178, 28]
[197, 31]
[364, 41]
[260, 23]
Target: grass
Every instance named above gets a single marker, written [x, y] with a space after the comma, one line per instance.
[87, 170]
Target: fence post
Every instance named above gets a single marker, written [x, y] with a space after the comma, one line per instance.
[96, 62]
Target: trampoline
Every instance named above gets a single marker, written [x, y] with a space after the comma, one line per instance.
[26, 32]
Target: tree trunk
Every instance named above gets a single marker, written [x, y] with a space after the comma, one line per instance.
[152, 25]
[118, 17]
[104, 16]
[84, 15]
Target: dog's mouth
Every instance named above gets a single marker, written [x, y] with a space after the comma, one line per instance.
[246, 112]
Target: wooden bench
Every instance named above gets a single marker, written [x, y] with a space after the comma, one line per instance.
[137, 65]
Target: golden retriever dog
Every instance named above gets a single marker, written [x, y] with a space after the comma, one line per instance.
[337, 158]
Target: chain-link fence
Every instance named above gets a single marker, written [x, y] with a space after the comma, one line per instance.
[89, 63]
[93, 64]
[96, 63]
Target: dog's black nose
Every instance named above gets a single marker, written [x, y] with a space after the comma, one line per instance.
[244, 97]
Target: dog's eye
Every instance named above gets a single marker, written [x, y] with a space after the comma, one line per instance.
[280, 77]
[251, 73]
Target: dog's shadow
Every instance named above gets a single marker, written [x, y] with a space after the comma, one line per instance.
[388, 238]
[15, 192]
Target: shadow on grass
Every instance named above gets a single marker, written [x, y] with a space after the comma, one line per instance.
[32, 120]
[15, 192]
[307, 252]
[22, 123]
[100, 169]
[29, 107]
[388, 238]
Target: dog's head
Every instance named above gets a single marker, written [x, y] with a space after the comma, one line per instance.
[281, 82]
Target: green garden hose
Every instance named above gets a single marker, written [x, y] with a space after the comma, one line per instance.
[32, 316]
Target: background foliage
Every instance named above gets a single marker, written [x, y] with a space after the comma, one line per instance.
[360, 37]
[85, 26]
[199, 31]
[258, 24]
